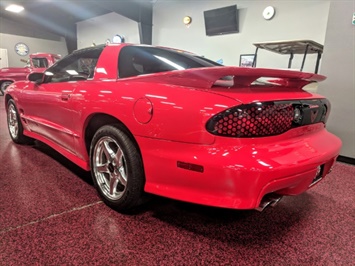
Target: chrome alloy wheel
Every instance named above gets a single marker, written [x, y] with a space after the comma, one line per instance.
[109, 166]
[13, 122]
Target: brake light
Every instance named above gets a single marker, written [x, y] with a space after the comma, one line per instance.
[263, 119]
[253, 120]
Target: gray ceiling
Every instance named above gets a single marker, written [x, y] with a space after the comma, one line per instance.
[60, 16]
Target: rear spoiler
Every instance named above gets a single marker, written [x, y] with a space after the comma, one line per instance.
[242, 77]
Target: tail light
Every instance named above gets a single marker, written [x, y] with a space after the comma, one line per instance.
[263, 119]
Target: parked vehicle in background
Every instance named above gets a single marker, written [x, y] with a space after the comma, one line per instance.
[38, 62]
[170, 123]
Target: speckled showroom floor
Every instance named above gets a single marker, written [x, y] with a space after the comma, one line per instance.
[50, 214]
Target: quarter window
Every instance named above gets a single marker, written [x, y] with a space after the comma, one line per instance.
[138, 60]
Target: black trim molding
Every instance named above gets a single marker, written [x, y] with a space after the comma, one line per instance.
[345, 159]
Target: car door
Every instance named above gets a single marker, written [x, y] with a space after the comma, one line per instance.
[47, 105]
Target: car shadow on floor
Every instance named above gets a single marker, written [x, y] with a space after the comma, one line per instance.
[76, 170]
[235, 227]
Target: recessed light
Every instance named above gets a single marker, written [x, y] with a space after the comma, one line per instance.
[14, 8]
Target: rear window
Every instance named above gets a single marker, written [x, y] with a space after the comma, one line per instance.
[137, 60]
[40, 62]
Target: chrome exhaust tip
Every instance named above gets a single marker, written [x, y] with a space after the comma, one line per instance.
[330, 169]
[269, 200]
[319, 175]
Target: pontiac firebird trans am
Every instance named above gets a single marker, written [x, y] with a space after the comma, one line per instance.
[156, 120]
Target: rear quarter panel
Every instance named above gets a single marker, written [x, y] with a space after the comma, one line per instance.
[176, 113]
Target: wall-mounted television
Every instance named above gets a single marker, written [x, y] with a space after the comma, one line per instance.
[221, 20]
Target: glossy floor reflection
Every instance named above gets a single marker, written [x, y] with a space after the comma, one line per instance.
[50, 214]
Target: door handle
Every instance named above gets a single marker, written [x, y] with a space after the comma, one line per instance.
[65, 96]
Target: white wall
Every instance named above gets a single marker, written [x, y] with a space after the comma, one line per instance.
[339, 66]
[293, 20]
[98, 29]
[12, 33]
[4, 60]
[8, 41]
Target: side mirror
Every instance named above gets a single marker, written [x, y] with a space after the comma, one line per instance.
[36, 77]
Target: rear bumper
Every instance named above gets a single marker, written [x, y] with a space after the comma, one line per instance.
[238, 173]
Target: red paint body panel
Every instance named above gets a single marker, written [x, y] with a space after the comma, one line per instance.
[237, 173]
[167, 112]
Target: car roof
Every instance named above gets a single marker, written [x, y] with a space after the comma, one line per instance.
[45, 54]
[100, 46]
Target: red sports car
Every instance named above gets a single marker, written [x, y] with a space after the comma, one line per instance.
[167, 122]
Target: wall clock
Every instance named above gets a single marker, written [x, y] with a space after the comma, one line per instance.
[118, 39]
[269, 12]
[187, 20]
[22, 49]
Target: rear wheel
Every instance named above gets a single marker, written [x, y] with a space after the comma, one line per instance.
[117, 168]
[3, 87]
[15, 126]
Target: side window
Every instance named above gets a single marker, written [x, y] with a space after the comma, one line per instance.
[79, 65]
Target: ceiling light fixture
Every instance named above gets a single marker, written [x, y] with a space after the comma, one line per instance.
[14, 8]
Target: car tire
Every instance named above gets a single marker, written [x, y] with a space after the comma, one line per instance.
[3, 87]
[14, 125]
[117, 168]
